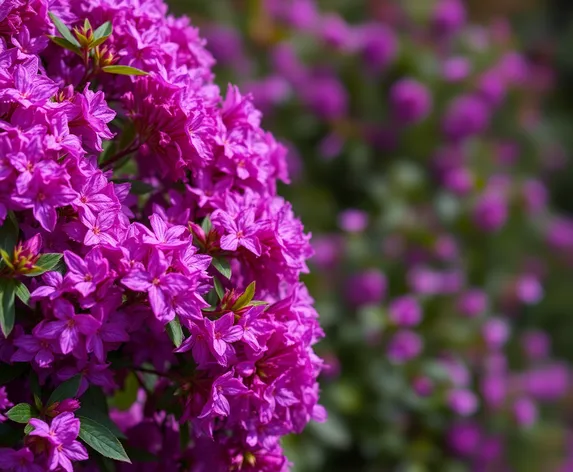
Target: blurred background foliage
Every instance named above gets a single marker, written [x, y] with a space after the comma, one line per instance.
[343, 156]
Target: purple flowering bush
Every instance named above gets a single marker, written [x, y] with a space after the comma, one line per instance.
[152, 313]
[422, 157]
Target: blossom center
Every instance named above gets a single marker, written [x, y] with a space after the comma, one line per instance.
[240, 235]
[155, 281]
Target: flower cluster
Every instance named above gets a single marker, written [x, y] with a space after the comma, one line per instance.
[424, 143]
[146, 254]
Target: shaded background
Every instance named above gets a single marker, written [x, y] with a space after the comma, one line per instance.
[378, 421]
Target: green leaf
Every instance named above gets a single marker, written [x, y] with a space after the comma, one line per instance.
[22, 292]
[258, 303]
[38, 402]
[10, 372]
[206, 225]
[28, 429]
[94, 406]
[219, 288]
[64, 43]
[123, 70]
[63, 30]
[127, 396]
[175, 332]
[9, 233]
[6, 258]
[87, 24]
[7, 312]
[45, 263]
[223, 266]
[21, 413]
[103, 32]
[102, 440]
[68, 389]
[246, 297]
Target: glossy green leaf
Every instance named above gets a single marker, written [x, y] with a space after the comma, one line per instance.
[223, 266]
[63, 30]
[64, 43]
[257, 303]
[246, 297]
[45, 263]
[219, 288]
[21, 413]
[22, 292]
[102, 440]
[9, 233]
[7, 312]
[123, 70]
[206, 225]
[104, 31]
[68, 389]
[175, 332]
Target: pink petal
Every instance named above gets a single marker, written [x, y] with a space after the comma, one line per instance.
[229, 242]
[75, 263]
[68, 340]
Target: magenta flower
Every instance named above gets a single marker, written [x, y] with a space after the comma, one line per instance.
[109, 332]
[29, 87]
[18, 461]
[60, 437]
[463, 402]
[53, 288]
[70, 328]
[61, 139]
[222, 388]
[96, 195]
[85, 275]
[158, 284]
[99, 227]
[164, 237]
[252, 328]
[405, 311]
[31, 348]
[89, 119]
[221, 333]
[198, 344]
[240, 231]
[44, 198]
[5, 403]
[404, 346]
[411, 101]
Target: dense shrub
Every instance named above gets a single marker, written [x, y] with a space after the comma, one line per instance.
[146, 255]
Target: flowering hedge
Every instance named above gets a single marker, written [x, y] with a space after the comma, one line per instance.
[151, 302]
[423, 156]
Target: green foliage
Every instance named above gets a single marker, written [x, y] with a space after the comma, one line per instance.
[123, 70]
[21, 413]
[102, 440]
[67, 389]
